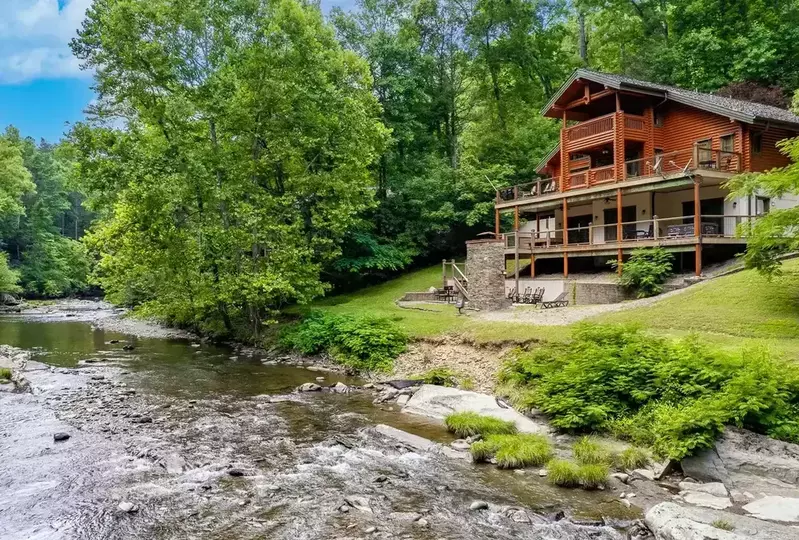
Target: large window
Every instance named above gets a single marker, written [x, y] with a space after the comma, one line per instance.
[728, 143]
[757, 142]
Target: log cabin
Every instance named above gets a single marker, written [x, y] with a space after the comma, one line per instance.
[640, 164]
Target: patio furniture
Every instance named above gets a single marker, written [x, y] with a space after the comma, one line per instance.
[560, 301]
[687, 229]
[528, 293]
[538, 295]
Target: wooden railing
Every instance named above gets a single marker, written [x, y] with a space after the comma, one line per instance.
[454, 276]
[590, 128]
[637, 123]
[674, 164]
[655, 229]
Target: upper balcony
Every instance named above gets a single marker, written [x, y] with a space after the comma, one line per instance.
[670, 165]
[602, 130]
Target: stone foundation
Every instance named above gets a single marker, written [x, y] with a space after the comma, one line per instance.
[485, 270]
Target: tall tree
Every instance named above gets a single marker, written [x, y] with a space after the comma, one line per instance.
[245, 160]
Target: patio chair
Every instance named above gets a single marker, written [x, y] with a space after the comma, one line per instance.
[528, 294]
[538, 295]
[560, 301]
[512, 293]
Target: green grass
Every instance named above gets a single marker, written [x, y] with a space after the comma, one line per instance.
[563, 473]
[513, 451]
[430, 319]
[5, 375]
[466, 424]
[723, 524]
[743, 304]
[587, 451]
[593, 476]
[632, 458]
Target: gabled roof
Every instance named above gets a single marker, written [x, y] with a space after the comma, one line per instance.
[743, 111]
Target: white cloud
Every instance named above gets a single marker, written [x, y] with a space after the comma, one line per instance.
[34, 39]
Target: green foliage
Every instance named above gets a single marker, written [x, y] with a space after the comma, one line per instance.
[775, 233]
[9, 279]
[513, 451]
[593, 476]
[364, 343]
[246, 159]
[5, 375]
[631, 458]
[467, 424]
[440, 376]
[723, 524]
[563, 473]
[587, 451]
[675, 396]
[645, 271]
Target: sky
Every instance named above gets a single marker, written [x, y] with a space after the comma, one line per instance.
[42, 88]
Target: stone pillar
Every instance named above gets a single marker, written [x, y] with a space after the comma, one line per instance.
[485, 270]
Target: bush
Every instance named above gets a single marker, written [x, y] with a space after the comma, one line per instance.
[363, 343]
[513, 451]
[632, 458]
[563, 473]
[593, 476]
[676, 396]
[467, 424]
[645, 271]
[5, 375]
[589, 452]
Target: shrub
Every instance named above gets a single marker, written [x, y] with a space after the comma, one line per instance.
[563, 473]
[675, 396]
[363, 343]
[484, 450]
[645, 271]
[589, 452]
[632, 458]
[441, 376]
[467, 424]
[5, 375]
[593, 476]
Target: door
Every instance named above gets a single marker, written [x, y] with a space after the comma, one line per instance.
[627, 215]
[581, 223]
[707, 207]
[704, 155]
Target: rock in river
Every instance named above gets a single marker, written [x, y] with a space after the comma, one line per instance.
[60, 436]
[478, 505]
[309, 387]
[128, 507]
[774, 508]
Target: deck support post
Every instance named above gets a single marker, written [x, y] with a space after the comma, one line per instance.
[516, 218]
[565, 265]
[619, 229]
[444, 273]
[496, 223]
[565, 237]
[698, 226]
[532, 265]
[516, 262]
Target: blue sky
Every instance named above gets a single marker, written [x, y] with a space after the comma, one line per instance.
[41, 85]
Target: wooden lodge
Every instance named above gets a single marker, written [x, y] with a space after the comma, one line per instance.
[640, 164]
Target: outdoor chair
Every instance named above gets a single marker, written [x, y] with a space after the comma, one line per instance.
[528, 293]
[560, 301]
[538, 295]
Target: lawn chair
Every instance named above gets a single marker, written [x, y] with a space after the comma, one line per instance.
[538, 295]
[528, 295]
[560, 301]
[512, 296]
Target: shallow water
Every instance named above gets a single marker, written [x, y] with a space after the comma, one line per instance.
[302, 454]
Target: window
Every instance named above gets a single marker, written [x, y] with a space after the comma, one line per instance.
[728, 143]
[757, 142]
[762, 205]
[658, 119]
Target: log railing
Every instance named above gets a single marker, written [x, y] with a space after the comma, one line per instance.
[590, 128]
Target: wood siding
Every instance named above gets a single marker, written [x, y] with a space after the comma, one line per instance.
[769, 156]
[683, 126]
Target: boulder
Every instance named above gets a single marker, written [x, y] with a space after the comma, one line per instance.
[128, 507]
[478, 505]
[403, 400]
[775, 508]
[706, 499]
[359, 503]
[439, 401]
[309, 387]
[713, 488]
[746, 461]
[415, 442]
[340, 388]
[672, 521]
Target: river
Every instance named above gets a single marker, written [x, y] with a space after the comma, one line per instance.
[204, 442]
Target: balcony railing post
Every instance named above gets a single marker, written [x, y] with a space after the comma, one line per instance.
[590, 232]
[655, 229]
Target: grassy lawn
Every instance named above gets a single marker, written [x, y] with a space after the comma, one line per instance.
[430, 319]
[732, 312]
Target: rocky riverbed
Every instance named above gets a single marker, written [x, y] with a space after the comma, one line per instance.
[128, 437]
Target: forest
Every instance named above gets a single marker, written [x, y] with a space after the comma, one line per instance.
[246, 155]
